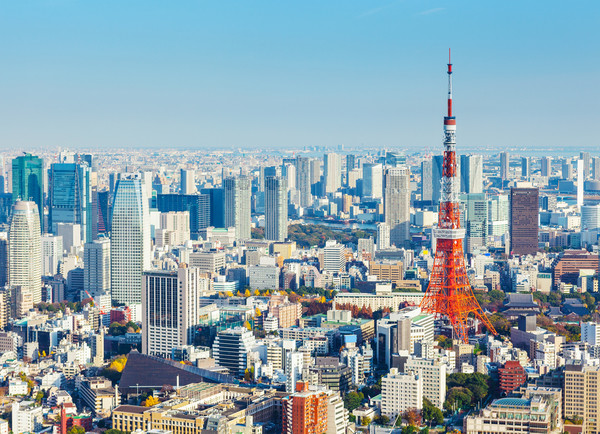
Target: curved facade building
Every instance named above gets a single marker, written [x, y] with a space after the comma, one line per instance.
[25, 249]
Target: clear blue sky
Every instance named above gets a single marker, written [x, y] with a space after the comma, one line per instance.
[292, 73]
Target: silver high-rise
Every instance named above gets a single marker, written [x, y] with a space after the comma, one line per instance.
[130, 239]
[236, 194]
[276, 208]
[397, 204]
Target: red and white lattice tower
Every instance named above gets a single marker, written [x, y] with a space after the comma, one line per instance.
[449, 293]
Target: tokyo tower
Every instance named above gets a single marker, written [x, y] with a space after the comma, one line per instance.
[449, 293]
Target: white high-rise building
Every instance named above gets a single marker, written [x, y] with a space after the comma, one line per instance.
[294, 362]
[580, 180]
[96, 268]
[590, 333]
[400, 392]
[236, 195]
[471, 173]
[334, 260]
[372, 180]
[52, 253]
[303, 180]
[170, 309]
[174, 228]
[433, 373]
[231, 349]
[276, 209]
[25, 249]
[130, 240]
[397, 204]
[498, 212]
[333, 172]
[383, 236]
[26, 416]
[187, 183]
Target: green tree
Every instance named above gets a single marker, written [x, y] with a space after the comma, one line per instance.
[431, 413]
[366, 421]
[353, 400]
[76, 429]
[382, 420]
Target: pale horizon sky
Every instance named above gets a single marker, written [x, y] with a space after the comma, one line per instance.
[197, 74]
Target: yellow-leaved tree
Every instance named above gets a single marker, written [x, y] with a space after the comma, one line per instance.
[151, 401]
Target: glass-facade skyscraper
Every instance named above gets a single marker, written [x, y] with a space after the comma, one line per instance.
[130, 239]
[28, 181]
[276, 208]
[71, 197]
[236, 195]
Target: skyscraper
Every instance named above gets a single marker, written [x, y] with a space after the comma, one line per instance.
[524, 217]
[436, 178]
[585, 156]
[187, 183]
[199, 206]
[303, 180]
[28, 181]
[130, 240]
[373, 180]
[397, 204]
[383, 236]
[170, 309]
[276, 209]
[71, 197]
[567, 169]
[596, 168]
[546, 169]
[581, 174]
[52, 254]
[236, 197]
[96, 270]
[426, 180]
[471, 173]
[333, 172]
[525, 167]
[476, 220]
[504, 165]
[25, 249]
[350, 164]
[498, 215]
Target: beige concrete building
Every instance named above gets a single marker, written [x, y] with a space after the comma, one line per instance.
[581, 387]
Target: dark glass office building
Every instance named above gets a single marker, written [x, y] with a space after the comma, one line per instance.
[524, 220]
[198, 205]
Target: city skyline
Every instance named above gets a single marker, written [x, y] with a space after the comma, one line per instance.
[203, 75]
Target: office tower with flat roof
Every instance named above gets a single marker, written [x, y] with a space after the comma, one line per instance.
[426, 181]
[236, 195]
[52, 254]
[199, 207]
[580, 181]
[372, 180]
[546, 166]
[28, 181]
[524, 220]
[476, 220]
[170, 309]
[130, 240]
[316, 170]
[498, 215]
[383, 236]
[25, 249]
[590, 217]
[471, 173]
[276, 209]
[567, 169]
[71, 197]
[96, 269]
[231, 349]
[595, 168]
[525, 167]
[585, 156]
[504, 165]
[303, 180]
[103, 212]
[350, 164]
[397, 204]
[436, 178]
[187, 184]
[333, 172]
[3, 259]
